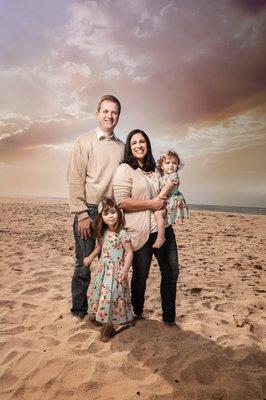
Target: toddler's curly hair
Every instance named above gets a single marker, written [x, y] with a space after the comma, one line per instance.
[169, 154]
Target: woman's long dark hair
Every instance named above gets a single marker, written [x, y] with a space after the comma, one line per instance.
[149, 162]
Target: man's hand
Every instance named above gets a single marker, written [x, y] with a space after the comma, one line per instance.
[84, 228]
[158, 203]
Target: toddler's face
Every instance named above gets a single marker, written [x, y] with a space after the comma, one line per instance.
[110, 217]
[169, 165]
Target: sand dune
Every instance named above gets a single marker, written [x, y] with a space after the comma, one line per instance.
[218, 353]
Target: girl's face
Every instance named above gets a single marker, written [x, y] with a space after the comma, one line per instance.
[110, 217]
[169, 165]
[139, 147]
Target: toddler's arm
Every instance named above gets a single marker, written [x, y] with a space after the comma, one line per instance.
[167, 188]
[127, 260]
[88, 260]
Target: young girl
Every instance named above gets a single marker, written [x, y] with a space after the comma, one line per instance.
[110, 300]
[176, 209]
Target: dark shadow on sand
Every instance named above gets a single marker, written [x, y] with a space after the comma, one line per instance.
[195, 367]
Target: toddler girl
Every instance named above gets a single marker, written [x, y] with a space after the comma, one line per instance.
[176, 209]
[110, 300]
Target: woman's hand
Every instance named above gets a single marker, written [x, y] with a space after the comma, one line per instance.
[158, 203]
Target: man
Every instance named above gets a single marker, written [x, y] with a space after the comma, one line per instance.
[93, 162]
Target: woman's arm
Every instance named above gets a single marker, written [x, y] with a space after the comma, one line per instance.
[129, 204]
[122, 185]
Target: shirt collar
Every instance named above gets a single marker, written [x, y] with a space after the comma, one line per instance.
[101, 135]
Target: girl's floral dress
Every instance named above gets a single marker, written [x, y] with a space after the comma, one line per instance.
[110, 300]
[177, 208]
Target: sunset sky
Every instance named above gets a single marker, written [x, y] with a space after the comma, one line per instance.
[191, 73]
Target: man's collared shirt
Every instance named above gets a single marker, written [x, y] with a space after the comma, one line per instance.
[101, 135]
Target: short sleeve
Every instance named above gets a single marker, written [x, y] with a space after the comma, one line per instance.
[122, 183]
[174, 177]
[124, 236]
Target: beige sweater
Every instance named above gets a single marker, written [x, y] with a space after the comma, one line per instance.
[92, 165]
[133, 183]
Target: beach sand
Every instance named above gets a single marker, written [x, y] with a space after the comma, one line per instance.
[218, 352]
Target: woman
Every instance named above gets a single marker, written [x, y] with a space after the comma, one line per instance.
[136, 188]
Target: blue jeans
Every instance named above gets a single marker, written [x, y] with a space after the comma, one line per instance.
[81, 277]
[167, 258]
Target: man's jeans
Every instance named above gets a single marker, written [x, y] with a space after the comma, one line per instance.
[81, 277]
[167, 258]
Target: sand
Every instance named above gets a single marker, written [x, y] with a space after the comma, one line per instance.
[218, 352]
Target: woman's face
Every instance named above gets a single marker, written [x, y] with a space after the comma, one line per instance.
[139, 147]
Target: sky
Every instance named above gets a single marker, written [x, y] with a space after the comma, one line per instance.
[190, 73]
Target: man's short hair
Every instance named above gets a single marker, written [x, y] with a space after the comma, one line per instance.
[111, 98]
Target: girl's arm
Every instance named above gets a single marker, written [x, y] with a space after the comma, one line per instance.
[88, 260]
[129, 204]
[127, 260]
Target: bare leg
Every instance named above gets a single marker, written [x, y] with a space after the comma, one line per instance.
[161, 214]
[160, 221]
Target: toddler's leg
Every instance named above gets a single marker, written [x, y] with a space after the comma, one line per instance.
[160, 222]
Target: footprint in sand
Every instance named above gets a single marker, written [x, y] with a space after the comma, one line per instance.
[78, 337]
[204, 371]
[8, 381]
[13, 331]
[35, 291]
[28, 305]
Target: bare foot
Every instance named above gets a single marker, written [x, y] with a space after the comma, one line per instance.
[106, 333]
[159, 242]
[91, 318]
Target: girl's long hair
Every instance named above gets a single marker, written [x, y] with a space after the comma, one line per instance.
[99, 226]
[149, 162]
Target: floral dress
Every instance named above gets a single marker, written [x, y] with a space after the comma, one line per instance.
[110, 300]
[177, 208]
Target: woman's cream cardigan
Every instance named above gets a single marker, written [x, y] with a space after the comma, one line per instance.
[129, 182]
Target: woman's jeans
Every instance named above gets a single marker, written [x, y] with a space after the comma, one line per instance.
[167, 258]
[81, 277]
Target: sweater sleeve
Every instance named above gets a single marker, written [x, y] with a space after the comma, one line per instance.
[122, 183]
[76, 177]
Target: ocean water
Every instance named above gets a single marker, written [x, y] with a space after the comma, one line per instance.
[229, 209]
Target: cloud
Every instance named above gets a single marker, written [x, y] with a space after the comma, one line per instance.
[25, 141]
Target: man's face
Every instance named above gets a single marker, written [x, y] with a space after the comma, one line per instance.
[108, 116]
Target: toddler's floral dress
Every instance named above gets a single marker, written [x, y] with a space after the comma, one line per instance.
[177, 208]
